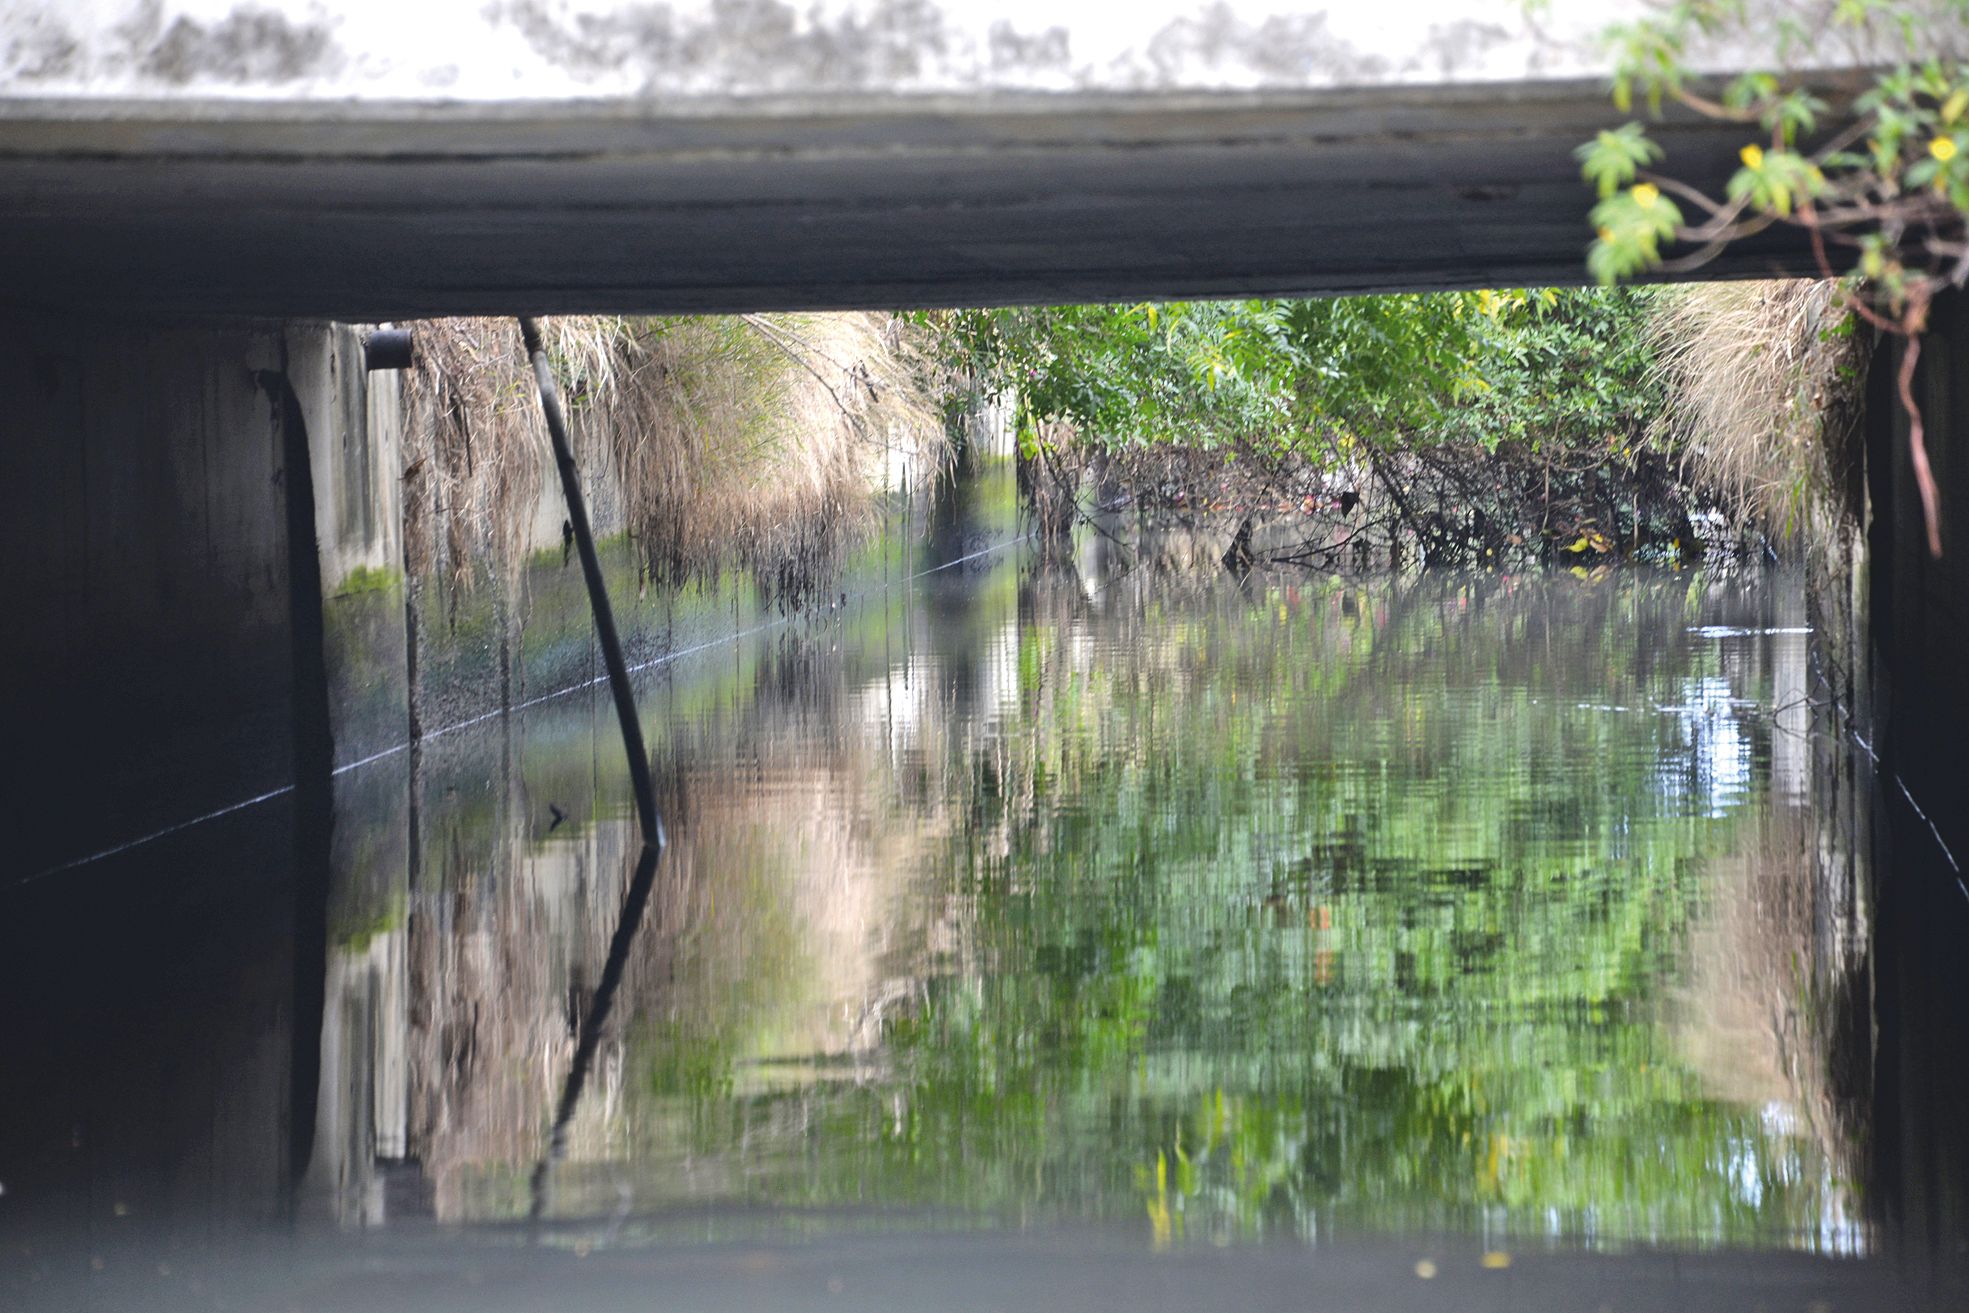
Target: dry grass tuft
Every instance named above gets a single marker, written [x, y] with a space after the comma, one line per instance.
[475, 450]
[1763, 379]
[762, 441]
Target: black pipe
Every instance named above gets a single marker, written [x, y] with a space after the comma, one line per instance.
[591, 569]
[388, 348]
[641, 882]
[590, 1037]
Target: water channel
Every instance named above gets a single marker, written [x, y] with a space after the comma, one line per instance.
[1390, 937]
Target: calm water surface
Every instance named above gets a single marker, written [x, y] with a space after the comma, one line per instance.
[1222, 912]
[1195, 911]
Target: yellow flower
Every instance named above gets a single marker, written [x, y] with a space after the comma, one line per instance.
[1752, 156]
[1606, 234]
[1646, 194]
[1942, 148]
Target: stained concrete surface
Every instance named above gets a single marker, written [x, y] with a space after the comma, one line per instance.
[148, 656]
[371, 210]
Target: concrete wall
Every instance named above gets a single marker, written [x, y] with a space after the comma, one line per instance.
[147, 607]
[355, 443]
[151, 642]
[668, 156]
[1921, 602]
[148, 680]
[1920, 614]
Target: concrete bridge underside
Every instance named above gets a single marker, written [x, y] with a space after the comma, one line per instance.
[391, 210]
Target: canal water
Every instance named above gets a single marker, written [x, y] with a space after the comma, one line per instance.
[1444, 930]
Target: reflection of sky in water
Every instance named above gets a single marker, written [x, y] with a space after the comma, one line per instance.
[1711, 768]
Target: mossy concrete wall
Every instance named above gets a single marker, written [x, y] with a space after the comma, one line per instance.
[355, 449]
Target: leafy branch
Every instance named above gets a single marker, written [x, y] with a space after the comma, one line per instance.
[1884, 201]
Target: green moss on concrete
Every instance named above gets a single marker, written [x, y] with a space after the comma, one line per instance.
[369, 579]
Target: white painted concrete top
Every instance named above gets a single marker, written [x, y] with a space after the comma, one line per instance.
[664, 49]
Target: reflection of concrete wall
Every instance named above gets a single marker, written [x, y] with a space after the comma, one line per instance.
[1773, 1015]
[459, 971]
[361, 1114]
[150, 1007]
[1792, 695]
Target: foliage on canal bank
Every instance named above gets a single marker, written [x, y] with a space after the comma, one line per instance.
[1878, 182]
[1469, 426]
[1477, 427]
[474, 449]
[765, 442]
[1580, 426]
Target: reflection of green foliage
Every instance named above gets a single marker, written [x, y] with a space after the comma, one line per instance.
[1332, 905]
[693, 1063]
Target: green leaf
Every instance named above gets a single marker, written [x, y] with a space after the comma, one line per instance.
[1775, 181]
[1750, 90]
[1614, 158]
[1792, 114]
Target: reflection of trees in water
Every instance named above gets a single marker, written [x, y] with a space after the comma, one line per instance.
[1774, 1011]
[1337, 901]
[777, 937]
[766, 938]
[1234, 908]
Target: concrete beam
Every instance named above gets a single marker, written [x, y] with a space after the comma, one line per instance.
[375, 210]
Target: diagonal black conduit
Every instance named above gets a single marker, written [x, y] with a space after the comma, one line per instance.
[591, 570]
[639, 773]
[591, 1026]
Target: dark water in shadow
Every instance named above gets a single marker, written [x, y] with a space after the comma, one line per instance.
[1472, 928]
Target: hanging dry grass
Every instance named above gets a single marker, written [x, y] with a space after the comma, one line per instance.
[761, 441]
[1764, 381]
[475, 450]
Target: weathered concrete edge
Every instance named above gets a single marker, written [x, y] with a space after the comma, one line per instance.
[62, 127]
